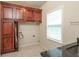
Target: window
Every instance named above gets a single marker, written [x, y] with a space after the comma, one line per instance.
[54, 25]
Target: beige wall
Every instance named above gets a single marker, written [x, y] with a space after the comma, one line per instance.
[47, 44]
[28, 30]
[70, 13]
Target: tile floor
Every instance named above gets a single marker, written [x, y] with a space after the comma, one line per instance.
[32, 51]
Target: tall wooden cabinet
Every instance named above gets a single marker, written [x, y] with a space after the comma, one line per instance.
[8, 40]
[10, 16]
[7, 36]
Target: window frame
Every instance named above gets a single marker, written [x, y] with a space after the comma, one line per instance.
[59, 41]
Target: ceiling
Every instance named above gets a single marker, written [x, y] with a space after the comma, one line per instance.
[35, 4]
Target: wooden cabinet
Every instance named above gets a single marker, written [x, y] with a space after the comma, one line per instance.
[9, 40]
[19, 14]
[12, 12]
[37, 14]
[28, 15]
[10, 15]
[7, 36]
[7, 12]
[32, 15]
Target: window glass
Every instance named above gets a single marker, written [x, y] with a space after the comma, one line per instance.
[54, 25]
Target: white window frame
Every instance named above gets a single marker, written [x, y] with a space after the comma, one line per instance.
[59, 41]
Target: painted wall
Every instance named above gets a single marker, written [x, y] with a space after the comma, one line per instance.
[28, 30]
[71, 31]
[47, 44]
[70, 13]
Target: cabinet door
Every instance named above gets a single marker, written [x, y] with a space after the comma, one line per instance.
[7, 12]
[19, 14]
[7, 36]
[37, 15]
[28, 15]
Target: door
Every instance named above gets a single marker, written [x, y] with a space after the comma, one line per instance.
[19, 14]
[28, 15]
[37, 15]
[7, 12]
[7, 36]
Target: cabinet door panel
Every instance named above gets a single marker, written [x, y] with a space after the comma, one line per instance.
[19, 14]
[8, 44]
[7, 12]
[28, 15]
[37, 16]
[7, 28]
[7, 36]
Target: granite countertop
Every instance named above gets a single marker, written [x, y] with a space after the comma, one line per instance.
[70, 50]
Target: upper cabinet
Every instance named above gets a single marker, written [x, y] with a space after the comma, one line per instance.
[21, 13]
[28, 15]
[37, 15]
[7, 12]
[32, 15]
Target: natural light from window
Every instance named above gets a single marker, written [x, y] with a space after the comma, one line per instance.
[54, 25]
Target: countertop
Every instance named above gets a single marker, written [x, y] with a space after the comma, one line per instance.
[70, 50]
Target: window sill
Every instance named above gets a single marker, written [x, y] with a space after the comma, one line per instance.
[58, 41]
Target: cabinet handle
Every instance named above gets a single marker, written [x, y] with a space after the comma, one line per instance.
[21, 35]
